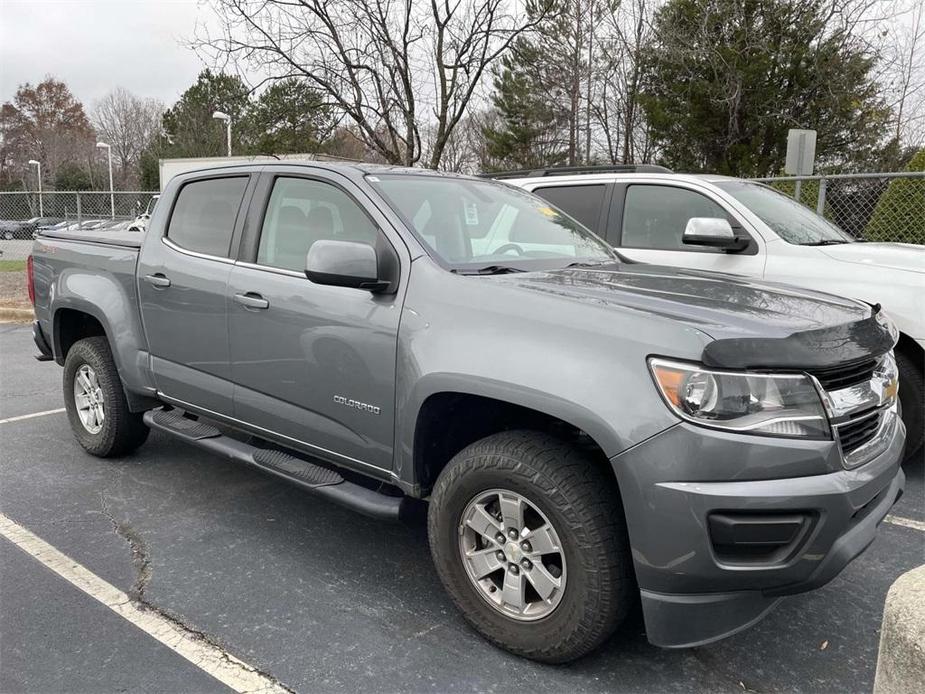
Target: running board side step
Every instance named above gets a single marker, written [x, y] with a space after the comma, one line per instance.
[314, 478]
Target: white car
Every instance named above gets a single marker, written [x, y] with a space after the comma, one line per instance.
[140, 222]
[732, 225]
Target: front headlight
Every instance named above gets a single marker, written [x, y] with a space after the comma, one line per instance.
[752, 403]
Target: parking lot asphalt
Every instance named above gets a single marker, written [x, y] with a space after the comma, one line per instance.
[322, 599]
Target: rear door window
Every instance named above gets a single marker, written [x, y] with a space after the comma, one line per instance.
[583, 203]
[204, 215]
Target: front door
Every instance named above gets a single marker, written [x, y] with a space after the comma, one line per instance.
[182, 284]
[313, 364]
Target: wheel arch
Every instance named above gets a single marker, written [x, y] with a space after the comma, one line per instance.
[910, 347]
[75, 320]
[445, 419]
[71, 324]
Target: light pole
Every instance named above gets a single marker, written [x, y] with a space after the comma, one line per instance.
[218, 115]
[38, 165]
[112, 195]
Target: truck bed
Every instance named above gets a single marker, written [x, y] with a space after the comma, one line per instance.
[94, 273]
[126, 239]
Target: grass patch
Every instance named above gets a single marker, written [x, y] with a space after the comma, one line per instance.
[12, 265]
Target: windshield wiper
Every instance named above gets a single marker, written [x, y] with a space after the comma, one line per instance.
[586, 263]
[825, 242]
[489, 270]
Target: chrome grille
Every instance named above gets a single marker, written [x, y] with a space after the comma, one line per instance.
[845, 375]
[861, 403]
[858, 431]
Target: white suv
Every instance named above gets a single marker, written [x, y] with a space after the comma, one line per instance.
[732, 225]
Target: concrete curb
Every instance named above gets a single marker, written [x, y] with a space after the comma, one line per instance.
[17, 315]
[901, 662]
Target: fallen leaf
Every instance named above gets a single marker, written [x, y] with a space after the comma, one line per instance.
[825, 644]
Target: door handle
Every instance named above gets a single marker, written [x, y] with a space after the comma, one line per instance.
[158, 280]
[251, 300]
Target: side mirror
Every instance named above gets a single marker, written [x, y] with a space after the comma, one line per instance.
[710, 231]
[344, 264]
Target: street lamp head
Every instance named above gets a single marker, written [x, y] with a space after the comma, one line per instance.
[220, 115]
[102, 144]
[34, 162]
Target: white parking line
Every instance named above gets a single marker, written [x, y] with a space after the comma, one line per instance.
[30, 416]
[211, 659]
[906, 522]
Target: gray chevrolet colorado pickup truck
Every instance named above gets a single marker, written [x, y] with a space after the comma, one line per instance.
[588, 432]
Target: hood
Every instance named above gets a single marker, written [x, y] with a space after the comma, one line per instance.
[894, 256]
[753, 323]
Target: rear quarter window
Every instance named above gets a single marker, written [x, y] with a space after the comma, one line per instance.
[204, 215]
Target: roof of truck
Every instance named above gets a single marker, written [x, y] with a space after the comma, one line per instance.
[347, 168]
[360, 169]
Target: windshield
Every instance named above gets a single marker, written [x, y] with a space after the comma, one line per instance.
[473, 225]
[793, 222]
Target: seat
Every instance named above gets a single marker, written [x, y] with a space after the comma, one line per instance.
[449, 239]
[214, 216]
[291, 239]
[320, 224]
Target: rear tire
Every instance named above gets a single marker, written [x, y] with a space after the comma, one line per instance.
[911, 396]
[95, 402]
[568, 490]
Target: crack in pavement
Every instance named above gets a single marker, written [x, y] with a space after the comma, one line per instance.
[193, 645]
[140, 557]
[199, 635]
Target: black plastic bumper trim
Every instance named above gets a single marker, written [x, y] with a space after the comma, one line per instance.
[45, 353]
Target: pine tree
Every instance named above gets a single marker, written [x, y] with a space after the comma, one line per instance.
[900, 212]
[530, 130]
[725, 79]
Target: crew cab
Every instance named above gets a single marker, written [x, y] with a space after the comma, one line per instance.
[587, 432]
[733, 225]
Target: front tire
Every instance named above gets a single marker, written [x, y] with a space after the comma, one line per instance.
[911, 396]
[564, 584]
[95, 402]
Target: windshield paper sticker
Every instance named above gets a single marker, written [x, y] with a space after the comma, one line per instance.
[472, 214]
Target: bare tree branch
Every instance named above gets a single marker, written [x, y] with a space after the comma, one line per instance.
[388, 65]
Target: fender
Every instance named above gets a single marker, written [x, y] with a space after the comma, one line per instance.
[112, 302]
[572, 413]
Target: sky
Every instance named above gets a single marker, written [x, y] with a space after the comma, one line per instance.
[95, 45]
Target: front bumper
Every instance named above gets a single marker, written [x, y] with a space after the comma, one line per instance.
[697, 588]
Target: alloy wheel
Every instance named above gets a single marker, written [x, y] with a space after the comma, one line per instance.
[88, 398]
[512, 554]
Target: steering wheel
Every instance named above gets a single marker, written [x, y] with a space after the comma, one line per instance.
[508, 247]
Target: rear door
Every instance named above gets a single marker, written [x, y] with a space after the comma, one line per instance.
[182, 280]
[647, 220]
[313, 365]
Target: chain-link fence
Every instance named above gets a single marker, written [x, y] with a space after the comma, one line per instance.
[872, 207]
[23, 213]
